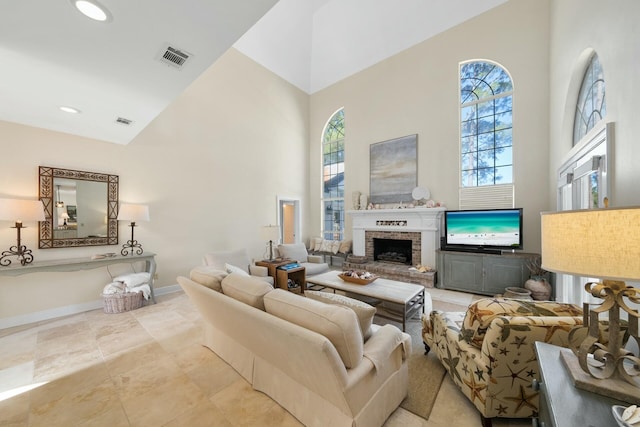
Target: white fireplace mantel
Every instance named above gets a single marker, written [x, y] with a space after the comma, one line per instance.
[423, 220]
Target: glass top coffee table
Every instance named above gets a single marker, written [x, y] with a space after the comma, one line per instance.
[400, 300]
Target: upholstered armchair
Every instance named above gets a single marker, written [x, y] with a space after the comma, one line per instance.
[313, 264]
[489, 350]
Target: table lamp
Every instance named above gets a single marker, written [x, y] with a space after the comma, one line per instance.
[603, 244]
[133, 213]
[19, 211]
[271, 233]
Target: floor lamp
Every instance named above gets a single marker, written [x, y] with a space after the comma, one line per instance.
[133, 213]
[19, 211]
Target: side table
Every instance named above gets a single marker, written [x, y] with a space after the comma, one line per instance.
[559, 397]
[273, 264]
[296, 275]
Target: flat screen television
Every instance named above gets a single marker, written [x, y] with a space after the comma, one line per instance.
[484, 230]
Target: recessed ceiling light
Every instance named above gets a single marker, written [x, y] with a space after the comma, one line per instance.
[92, 9]
[68, 109]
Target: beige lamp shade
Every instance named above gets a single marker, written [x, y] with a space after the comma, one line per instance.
[598, 243]
[133, 213]
[18, 210]
[271, 232]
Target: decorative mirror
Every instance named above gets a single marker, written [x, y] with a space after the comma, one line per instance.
[81, 208]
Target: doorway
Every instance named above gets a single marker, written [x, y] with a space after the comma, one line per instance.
[289, 219]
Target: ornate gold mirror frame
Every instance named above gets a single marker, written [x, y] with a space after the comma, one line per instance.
[47, 239]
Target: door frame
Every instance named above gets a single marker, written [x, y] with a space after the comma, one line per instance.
[281, 201]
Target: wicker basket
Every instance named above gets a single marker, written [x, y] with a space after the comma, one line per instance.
[119, 303]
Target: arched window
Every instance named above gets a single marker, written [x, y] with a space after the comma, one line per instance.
[486, 120]
[591, 106]
[333, 178]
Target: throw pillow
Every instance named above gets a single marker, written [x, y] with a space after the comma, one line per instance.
[208, 276]
[364, 311]
[345, 247]
[326, 246]
[338, 324]
[317, 243]
[246, 289]
[233, 269]
[335, 246]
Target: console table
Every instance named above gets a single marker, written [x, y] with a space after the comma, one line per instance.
[77, 264]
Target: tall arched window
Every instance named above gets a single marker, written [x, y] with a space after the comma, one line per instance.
[591, 106]
[485, 125]
[333, 178]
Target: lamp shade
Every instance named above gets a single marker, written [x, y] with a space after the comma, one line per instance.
[598, 243]
[19, 210]
[271, 232]
[130, 212]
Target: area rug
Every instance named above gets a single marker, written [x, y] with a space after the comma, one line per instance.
[425, 374]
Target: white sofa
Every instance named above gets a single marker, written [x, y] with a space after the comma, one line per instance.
[313, 264]
[237, 258]
[308, 356]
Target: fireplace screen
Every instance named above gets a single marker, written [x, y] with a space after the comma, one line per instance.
[392, 250]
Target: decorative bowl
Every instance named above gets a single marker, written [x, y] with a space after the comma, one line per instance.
[358, 280]
[617, 414]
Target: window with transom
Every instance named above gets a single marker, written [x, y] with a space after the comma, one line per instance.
[486, 124]
[333, 177]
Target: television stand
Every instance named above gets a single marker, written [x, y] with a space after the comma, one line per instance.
[482, 272]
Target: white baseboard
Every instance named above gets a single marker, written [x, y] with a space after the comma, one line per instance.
[53, 313]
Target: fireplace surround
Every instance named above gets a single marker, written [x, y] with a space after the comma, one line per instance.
[421, 226]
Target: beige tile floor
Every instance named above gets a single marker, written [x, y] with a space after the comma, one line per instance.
[147, 368]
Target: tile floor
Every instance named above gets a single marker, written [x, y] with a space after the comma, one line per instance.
[147, 368]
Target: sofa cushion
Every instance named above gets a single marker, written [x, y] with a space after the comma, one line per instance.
[337, 323]
[208, 276]
[295, 251]
[325, 246]
[481, 313]
[247, 289]
[364, 311]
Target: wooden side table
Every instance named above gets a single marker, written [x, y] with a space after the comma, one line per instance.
[297, 275]
[272, 265]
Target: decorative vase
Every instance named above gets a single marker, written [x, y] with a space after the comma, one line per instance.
[363, 201]
[517, 293]
[355, 198]
[540, 288]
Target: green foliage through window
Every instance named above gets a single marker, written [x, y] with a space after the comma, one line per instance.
[333, 178]
[486, 114]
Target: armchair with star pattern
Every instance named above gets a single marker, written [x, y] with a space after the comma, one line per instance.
[489, 350]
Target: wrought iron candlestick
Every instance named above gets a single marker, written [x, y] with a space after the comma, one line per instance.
[24, 255]
[132, 246]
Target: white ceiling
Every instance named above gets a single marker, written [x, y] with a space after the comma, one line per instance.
[52, 55]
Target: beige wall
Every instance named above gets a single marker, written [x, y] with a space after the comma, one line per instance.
[611, 29]
[209, 167]
[416, 92]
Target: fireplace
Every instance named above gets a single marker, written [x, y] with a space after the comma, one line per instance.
[392, 250]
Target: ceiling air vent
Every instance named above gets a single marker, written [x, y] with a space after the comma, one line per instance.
[173, 57]
[123, 121]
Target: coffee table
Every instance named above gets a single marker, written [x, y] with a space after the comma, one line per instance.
[404, 299]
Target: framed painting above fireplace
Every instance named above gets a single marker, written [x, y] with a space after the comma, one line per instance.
[393, 170]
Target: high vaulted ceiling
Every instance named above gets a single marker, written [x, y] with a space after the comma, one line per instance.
[54, 56]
